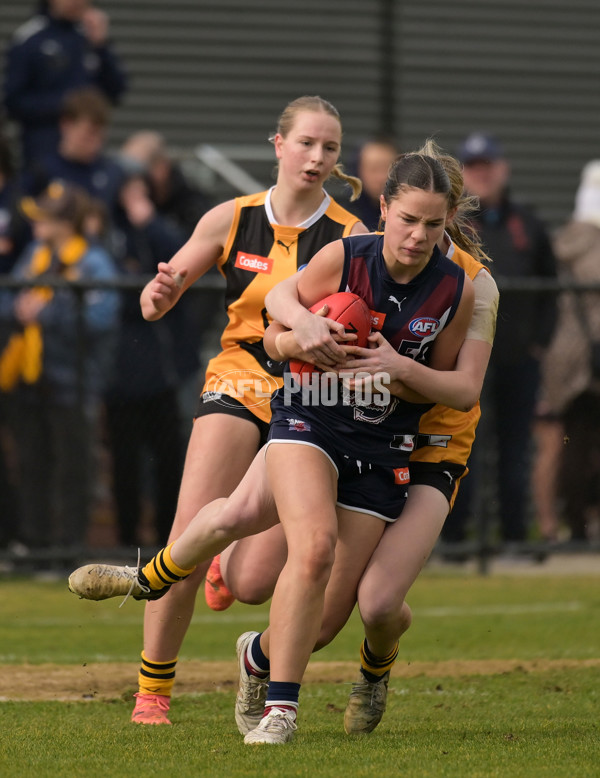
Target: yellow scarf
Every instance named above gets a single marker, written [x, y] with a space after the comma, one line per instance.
[21, 359]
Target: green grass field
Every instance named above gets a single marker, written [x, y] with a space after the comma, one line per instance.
[499, 676]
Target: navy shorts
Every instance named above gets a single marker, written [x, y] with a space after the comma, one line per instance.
[362, 486]
[209, 404]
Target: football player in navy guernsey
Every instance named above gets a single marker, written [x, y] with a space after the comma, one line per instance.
[356, 460]
[356, 464]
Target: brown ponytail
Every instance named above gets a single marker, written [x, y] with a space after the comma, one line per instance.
[460, 229]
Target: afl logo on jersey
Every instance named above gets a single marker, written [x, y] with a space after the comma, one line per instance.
[254, 262]
[423, 326]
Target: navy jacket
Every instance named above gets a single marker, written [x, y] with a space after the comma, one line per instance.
[101, 178]
[47, 58]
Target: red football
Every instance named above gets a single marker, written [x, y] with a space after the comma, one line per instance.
[347, 308]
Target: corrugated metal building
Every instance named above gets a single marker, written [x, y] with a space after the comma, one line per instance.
[220, 73]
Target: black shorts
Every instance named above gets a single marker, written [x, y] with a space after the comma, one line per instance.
[209, 404]
[443, 476]
[364, 487]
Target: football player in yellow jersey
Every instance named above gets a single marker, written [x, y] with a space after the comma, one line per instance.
[255, 241]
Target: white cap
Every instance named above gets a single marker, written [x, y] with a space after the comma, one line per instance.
[587, 199]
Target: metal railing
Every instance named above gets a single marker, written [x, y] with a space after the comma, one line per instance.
[481, 547]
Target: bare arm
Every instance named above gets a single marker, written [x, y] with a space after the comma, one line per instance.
[459, 388]
[288, 303]
[280, 344]
[193, 259]
[448, 380]
[474, 354]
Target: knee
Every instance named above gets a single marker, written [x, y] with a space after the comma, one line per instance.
[255, 596]
[405, 617]
[312, 562]
[251, 588]
[231, 520]
[383, 611]
[378, 610]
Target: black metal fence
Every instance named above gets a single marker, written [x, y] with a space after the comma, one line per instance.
[481, 546]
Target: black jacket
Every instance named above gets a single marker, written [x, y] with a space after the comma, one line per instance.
[517, 242]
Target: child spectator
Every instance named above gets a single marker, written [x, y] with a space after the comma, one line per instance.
[54, 367]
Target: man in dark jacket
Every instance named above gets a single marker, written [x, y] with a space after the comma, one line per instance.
[519, 246]
[64, 47]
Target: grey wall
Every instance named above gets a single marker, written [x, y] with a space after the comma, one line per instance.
[220, 72]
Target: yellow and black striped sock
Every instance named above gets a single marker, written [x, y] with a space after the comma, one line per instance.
[375, 667]
[156, 677]
[161, 571]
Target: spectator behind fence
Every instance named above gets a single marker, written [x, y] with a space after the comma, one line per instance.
[178, 200]
[519, 246]
[567, 471]
[80, 157]
[142, 408]
[174, 196]
[54, 366]
[63, 47]
[372, 162]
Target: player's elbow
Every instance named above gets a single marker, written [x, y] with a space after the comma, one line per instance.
[467, 401]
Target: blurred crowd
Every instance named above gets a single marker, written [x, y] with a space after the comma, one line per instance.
[79, 369]
[86, 383]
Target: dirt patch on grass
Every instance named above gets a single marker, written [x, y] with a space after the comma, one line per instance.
[106, 681]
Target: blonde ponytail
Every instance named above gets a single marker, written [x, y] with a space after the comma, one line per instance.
[352, 181]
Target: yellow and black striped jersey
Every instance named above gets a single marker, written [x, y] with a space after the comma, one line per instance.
[447, 435]
[258, 254]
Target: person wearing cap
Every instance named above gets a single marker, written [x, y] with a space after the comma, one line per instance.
[519, 246]
[570, 397]
[54, 366]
